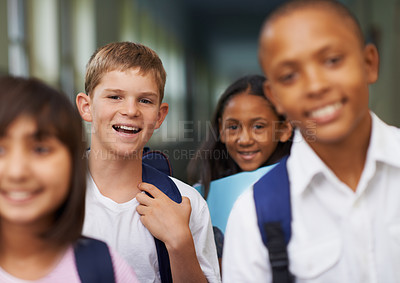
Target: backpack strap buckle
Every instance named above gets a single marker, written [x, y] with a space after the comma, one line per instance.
[279, 260]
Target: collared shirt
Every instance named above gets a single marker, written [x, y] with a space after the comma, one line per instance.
[337, 235]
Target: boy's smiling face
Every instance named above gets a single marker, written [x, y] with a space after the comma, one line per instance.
[124, 110]
[318, 73]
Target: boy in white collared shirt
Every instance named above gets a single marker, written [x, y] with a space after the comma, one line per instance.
[344, 167]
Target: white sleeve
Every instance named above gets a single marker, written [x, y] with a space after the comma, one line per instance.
[245, 258]
[202, 233]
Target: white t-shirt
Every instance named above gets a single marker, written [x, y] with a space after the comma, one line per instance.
[65, 271]
[119, 225]
[337, 235]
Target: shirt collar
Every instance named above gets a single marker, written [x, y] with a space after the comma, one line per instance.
[304, 164]
[385, 143]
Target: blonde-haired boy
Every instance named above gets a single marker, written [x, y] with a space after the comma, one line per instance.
[124, 90]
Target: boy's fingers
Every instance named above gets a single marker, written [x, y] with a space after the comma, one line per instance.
[141, 209]
[143, 198]
[151, 189]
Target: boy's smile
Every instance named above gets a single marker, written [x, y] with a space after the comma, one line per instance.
[126, 129]
[124, 110]
[319, 73]
[326, 113]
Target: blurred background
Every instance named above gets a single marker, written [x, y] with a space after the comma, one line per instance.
[204, 45]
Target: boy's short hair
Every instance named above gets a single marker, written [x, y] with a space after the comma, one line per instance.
[56, 116]
[330, 5]
[123, 56]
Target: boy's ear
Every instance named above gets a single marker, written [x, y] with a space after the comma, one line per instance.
[272, 97]
[372, 62]
[162, 113]
[285, 131]
[83, 104]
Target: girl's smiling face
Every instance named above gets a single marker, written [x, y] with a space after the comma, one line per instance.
[249, 129]
[35, 174]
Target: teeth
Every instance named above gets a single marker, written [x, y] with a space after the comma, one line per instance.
[126, 128]
[248, 153]
[327, 110]
[19, 195]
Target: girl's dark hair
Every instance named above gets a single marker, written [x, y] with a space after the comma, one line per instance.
[55, 116]
[207, 165]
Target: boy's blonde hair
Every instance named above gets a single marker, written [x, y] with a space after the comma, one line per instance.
[123, 56]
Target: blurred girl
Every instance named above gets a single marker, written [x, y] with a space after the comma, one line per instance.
[42, 188]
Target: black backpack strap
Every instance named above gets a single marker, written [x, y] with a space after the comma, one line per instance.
[93, 261]
[158, 160]
[168, 187]
[272, 201]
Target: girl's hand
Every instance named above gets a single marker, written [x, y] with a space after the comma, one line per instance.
[166, 220]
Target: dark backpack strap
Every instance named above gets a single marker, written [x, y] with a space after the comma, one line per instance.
[272, 201]
[168, 187]
[158, 160]
[93, 261]
[162, 181]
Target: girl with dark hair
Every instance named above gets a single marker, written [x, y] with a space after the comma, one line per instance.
[42, 186]
[246, 133]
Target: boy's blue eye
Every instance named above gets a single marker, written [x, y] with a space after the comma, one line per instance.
[114, 97]
[145, 101]
[259, 127]
[232, 127]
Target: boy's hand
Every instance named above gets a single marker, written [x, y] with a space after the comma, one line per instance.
[166, 220]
